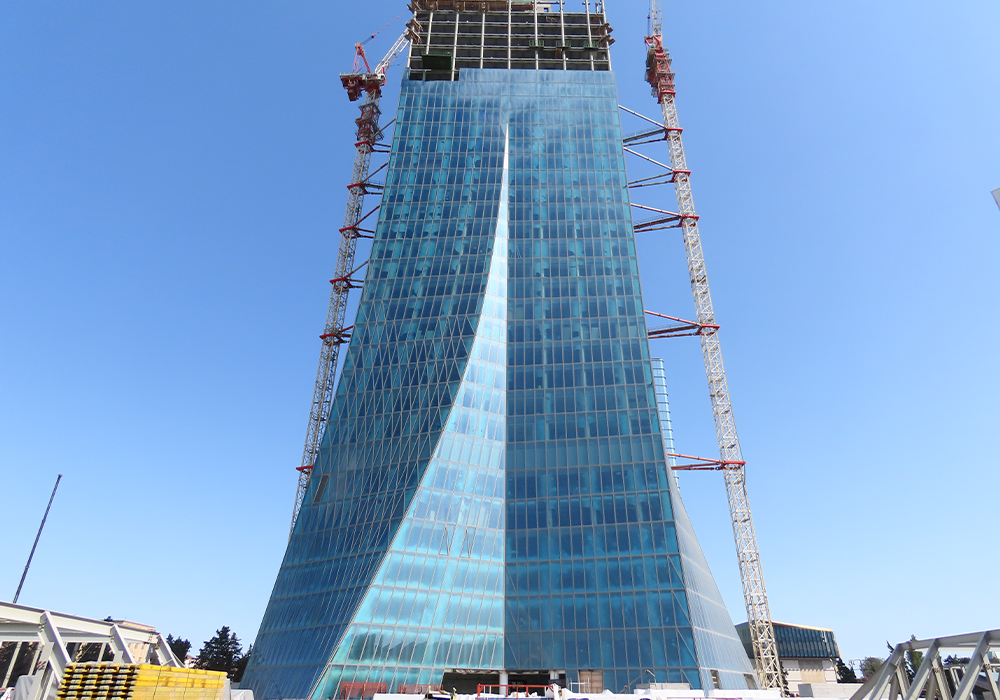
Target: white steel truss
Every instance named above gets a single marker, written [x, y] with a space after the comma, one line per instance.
[974, 669]
[660, 76]
[51, 632]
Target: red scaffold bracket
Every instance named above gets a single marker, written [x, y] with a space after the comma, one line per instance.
[305, 469]
[370, 142]
[368, 186]
[660, 133]
[348, 282]
[685, 328]
[664, 219]
[355, 230]
[338, 337]
[662, 179]
[704, 463]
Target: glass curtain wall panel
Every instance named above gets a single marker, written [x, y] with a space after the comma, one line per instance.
[436, 602]
[797, 641]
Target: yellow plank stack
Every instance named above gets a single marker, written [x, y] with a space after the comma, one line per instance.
[108, 681]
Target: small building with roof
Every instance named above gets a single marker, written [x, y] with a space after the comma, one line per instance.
[808, 655]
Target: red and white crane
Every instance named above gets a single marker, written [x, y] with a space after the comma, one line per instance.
[730, 462]
[358, 83]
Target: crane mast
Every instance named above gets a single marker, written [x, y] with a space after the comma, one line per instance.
[661, 78]
[367, 136]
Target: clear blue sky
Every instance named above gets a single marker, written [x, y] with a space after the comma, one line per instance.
[172, 178]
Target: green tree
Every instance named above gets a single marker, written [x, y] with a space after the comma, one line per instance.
[913, 659]
[179, 646]
[241, 666]
[6, 653]
[870, 666]
[845, 674]
[220, 653]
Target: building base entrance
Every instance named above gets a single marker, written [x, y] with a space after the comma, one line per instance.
[468, 682]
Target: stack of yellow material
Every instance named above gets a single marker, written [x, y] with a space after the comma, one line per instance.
[93, 680]
[169, 683]
[108, 681]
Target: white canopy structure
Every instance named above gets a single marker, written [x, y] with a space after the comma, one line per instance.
[36, 646]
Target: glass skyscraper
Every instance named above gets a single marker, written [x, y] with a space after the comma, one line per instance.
[492, 494]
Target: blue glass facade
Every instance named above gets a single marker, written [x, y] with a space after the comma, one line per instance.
[797, 641]
[492, 491]
[594, 573]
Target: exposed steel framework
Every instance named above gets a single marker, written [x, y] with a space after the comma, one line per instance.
[661, 77]
[367, 141]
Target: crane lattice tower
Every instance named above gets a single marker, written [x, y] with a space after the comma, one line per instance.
[661, 77]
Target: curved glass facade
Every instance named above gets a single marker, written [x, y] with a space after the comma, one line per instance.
[492, 492]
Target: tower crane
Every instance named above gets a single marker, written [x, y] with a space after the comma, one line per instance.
[367, 82]
[661, 78]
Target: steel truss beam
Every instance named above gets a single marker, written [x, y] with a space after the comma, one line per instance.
[53, 631]
[932, 680]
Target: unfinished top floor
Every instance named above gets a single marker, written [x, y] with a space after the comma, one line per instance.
[450, 35]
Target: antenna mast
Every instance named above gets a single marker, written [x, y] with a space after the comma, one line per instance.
[37, 537]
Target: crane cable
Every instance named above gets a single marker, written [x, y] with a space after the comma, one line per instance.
[381, 30]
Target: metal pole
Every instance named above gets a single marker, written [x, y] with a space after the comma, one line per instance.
[25, 574]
